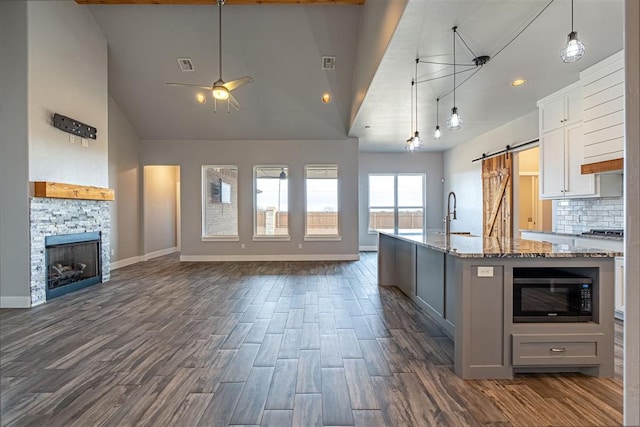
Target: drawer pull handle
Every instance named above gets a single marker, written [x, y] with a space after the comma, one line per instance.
[558, 350]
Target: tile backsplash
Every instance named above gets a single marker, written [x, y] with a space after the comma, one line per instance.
[574, 216]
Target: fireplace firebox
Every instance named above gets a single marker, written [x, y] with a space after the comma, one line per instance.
[73, 262]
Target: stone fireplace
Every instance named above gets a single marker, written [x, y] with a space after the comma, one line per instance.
[56, 222]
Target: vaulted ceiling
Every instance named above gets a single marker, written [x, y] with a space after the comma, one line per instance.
[281, 45]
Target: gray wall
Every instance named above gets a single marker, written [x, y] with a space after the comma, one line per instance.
[632, 206]
[191, 155]
[465, 178]
[428, 163]
[14, 157]
[67, 65]
[125, 178]
[160, 208]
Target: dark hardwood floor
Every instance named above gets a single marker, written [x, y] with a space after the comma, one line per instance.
[166, 343]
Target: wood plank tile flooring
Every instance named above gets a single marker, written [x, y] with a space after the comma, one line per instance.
[166, 343]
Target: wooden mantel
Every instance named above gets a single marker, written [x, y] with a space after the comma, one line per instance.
[57, 190]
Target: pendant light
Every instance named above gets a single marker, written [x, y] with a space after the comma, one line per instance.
[574, 50]
[415, 142]
[436, 133]
[455, 121]
[409, 143]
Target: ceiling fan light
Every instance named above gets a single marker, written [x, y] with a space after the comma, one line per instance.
[455, 121]
[436, 133]
[574, 49]
[220, 93]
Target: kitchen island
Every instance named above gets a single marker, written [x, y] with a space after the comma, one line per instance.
[466, 284]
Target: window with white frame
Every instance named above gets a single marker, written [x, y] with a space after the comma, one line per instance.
[220, 202]
[271, 206]
[321, 204]
[397, 203]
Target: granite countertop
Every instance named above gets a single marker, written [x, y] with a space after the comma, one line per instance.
[490, 247]
[586, 236]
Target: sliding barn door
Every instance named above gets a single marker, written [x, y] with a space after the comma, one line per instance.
[497, 200]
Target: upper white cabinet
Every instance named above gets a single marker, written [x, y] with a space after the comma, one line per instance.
[603, 105]
[572, 135]
[562, 146]
[563, 108]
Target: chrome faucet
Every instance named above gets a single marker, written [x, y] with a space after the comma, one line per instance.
[447, 219]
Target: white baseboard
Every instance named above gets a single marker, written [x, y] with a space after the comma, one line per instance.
[368, 248]
[15, 302]
[309, 257]
[125, 262]
[162, 252]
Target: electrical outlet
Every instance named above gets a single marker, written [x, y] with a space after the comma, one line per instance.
[72, 139]
[85, 142]
[299, 245]
[113, 252]
[242, 246]
[485, 271]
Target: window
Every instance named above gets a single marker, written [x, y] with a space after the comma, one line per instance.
[220, 202]
[321, 191]
[396, 203]
[271, 213]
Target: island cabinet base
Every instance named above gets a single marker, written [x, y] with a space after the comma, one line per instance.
[471, 298]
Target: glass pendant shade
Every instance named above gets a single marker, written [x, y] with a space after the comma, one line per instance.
[437, 134]
[574, 50]
[455, 121]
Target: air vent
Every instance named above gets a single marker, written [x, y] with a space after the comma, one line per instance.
[328, 62]
[186, 64]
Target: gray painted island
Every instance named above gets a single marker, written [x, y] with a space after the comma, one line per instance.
[466, 284]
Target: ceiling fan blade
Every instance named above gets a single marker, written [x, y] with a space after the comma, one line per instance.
[234, 103]
[234, 84]
[188, 85]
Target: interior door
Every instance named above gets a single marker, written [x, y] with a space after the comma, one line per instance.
[497, 196]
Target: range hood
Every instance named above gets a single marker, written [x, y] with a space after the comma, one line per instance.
[614, 165]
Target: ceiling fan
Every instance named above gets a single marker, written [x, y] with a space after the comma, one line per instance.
[221, 90]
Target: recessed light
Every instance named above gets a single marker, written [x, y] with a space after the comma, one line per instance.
[518, 82]
[326, 98]
[201, 98]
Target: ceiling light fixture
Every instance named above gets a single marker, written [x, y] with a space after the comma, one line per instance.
[455, 121]
[574, 50]
[415, 142]
[201, 98]
[436, 133]
[326, 98]
[518, 82]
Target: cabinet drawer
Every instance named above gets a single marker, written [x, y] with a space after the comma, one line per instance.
[561, 349]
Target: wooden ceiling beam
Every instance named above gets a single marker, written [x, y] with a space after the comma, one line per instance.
[228, 2]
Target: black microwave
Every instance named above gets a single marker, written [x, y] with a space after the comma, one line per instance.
[552, 296]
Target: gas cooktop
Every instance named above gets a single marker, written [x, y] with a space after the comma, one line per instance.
[604, 232]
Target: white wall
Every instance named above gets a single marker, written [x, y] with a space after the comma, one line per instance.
[125, 178]
[378, 22]
[14, 157]
[427, 163]
[465, 178]
[67, 69]
[160, 213]
[191, 155]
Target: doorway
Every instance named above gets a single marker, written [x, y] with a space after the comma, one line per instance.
[533, 213]
[161, 211]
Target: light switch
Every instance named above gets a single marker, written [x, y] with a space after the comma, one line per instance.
[85, 142]
[485, 271]
[72, 138]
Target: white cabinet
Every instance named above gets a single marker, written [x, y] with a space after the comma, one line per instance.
[619, 285]
[562, 150]
[560, 109]
[561, 156]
